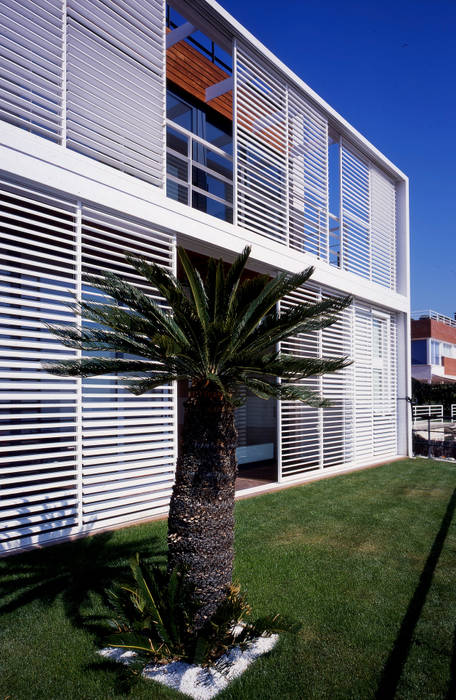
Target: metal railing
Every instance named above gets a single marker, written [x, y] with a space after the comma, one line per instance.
[432, 412]
[434, 432]
[434, 316]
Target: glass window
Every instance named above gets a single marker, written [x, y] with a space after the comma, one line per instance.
[179, 111]
[177, 192]
[378, 339]
[177, 141]
[177, 167]
[419, 352]
[213, 160]
[202, 186]
[213, 185]
[435, 352]
[213, 207]
[218, 134]
[447, 350]
[377, 382]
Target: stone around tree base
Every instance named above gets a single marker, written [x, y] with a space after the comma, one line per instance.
[199, 682]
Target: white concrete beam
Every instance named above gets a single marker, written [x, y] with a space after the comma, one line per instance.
[219, 89]
[179, 33]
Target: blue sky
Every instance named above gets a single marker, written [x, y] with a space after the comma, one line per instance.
[390, 69]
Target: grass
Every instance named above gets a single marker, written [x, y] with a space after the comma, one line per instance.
[366, 562]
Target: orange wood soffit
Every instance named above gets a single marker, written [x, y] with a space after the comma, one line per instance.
[193, 72]
[187, 68]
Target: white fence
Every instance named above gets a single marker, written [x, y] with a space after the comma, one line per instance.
[434, 412]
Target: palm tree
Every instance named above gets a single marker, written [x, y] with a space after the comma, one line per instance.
[220, 334]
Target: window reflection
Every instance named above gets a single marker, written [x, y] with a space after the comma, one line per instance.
[199, 157]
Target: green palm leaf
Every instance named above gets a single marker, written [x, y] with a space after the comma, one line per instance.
[221, 331]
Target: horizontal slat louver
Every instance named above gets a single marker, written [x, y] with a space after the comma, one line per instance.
[31, 65]
[383, 229]
[74, 455]
[337, 437]
[362, 357]
[355, 213]
[261, 142]
[115, 84]
[38, 412]
[127, 441]
[385, 410]
[300, 424]
[308, 176]
[360, 422]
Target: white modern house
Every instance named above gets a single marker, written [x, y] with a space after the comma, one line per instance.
[127, 125]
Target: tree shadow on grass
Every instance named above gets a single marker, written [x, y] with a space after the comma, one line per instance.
[73, 572]
[124, 680]
[398, 656]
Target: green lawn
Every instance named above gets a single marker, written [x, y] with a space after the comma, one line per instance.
[365, 562]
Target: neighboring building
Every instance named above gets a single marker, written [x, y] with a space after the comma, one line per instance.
[126, 125]
[433, 347]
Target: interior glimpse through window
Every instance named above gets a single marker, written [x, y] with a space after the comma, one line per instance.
[199, 156]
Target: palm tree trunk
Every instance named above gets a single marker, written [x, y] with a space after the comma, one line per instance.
[201, 515]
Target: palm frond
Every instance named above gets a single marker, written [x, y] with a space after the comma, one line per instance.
[276, 289]
[94, 366]
[197, 287]
[223, 331]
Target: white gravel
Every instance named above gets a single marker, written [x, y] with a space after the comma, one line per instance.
[195, 681]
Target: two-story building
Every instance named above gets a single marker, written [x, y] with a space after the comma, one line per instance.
[130, 125]
[433, 347]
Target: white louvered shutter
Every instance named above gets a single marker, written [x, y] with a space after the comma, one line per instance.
[75, 455]
[337, 387]
[384, 382]
[38, 412]
[31, 65]
[383, 229]
[308, 177]
[261, 146]
[127, 441]
[362, 356]
[355, 201]
[116, 84]
[300, 425]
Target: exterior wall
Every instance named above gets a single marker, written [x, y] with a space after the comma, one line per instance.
[449, 365]
[75, 455]
[428, 328]
[361, 423]
[85, 454]
[422, 372]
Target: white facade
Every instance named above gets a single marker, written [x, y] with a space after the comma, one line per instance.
[83, 179]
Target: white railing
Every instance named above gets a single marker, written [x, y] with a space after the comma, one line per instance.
[453, 411]
[434, 316]
[434, 412]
